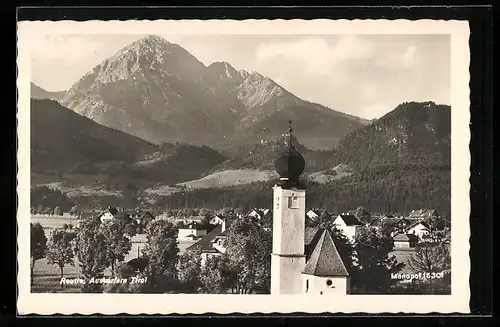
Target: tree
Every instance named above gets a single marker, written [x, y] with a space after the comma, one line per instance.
[189, 270]
[324, 221]
[386, 227]
[216, 275]
[40, 209]
[58, 211]
[60, 249]
[249, 248]
[123, 270]
[162, 252]
[361, 214]
[375, 265]
[90, 250]
[346, 250]
[74, 210]
[118, 243]
[38, 244]
[430, 257]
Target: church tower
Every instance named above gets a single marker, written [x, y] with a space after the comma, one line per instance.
[289, 204]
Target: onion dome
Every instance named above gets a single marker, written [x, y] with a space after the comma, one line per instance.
[290, 165]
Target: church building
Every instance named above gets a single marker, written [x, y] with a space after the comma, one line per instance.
[294, 268]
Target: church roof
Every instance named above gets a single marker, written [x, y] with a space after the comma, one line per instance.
[325, 260]
[309, 234]
[290, 165]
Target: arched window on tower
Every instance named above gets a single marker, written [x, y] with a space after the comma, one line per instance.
[307, 285]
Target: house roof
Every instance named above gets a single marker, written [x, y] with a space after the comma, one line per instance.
[325, 260]
[418, 222]
[194, 218]
[121, 215]
[401, 238]
[88, 214]
[316, 211]
[205, 244]
[350, 220]
[423, 213]
[261, 212]
[191, 226]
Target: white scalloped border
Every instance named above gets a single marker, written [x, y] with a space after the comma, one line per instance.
[457, 302]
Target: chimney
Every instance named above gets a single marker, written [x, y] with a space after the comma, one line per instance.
[223, 225]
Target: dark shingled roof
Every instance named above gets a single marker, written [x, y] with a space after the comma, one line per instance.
[351, 220]
[309, 234]
[205, 244]
[325, 260]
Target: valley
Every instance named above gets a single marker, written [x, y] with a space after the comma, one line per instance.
[151, 125]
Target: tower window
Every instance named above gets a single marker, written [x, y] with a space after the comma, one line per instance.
[307, 285]
[293, 202]
[329, 283]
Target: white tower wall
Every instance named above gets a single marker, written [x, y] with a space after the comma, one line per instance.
[288, 257]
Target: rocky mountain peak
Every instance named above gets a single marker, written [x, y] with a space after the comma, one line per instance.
[223, 70]
[156, 90]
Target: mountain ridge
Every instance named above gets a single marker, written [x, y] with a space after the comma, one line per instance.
[37, 92]
[80, 145]
[158, 91]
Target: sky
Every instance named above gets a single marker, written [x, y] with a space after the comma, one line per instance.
[362, 75]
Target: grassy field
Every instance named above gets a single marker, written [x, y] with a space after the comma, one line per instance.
[47, 277]
[230, 178]
[402, 255]
[329, 175]
[52, 222]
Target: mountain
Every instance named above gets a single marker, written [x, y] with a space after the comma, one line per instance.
[262, 155]
[61, 138]
[66, 142]
[158, 91]
[176, 163]
[38, 93]
[413, 133]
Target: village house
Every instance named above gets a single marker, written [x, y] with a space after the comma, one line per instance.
[420, 228]
[212, 244]
[405, 241]
[313, 214]
[347, 224]
[191, 231]
[423, 214]
[108, 215]
[216, 220]
[141, 215]
[189, 219]
[258, 213]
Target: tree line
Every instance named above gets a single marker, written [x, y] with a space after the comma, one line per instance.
[392, 189]
[243, 268]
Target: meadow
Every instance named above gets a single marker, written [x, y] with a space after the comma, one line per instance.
[46, 277]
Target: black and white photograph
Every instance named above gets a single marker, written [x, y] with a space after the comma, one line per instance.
[268, 162]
